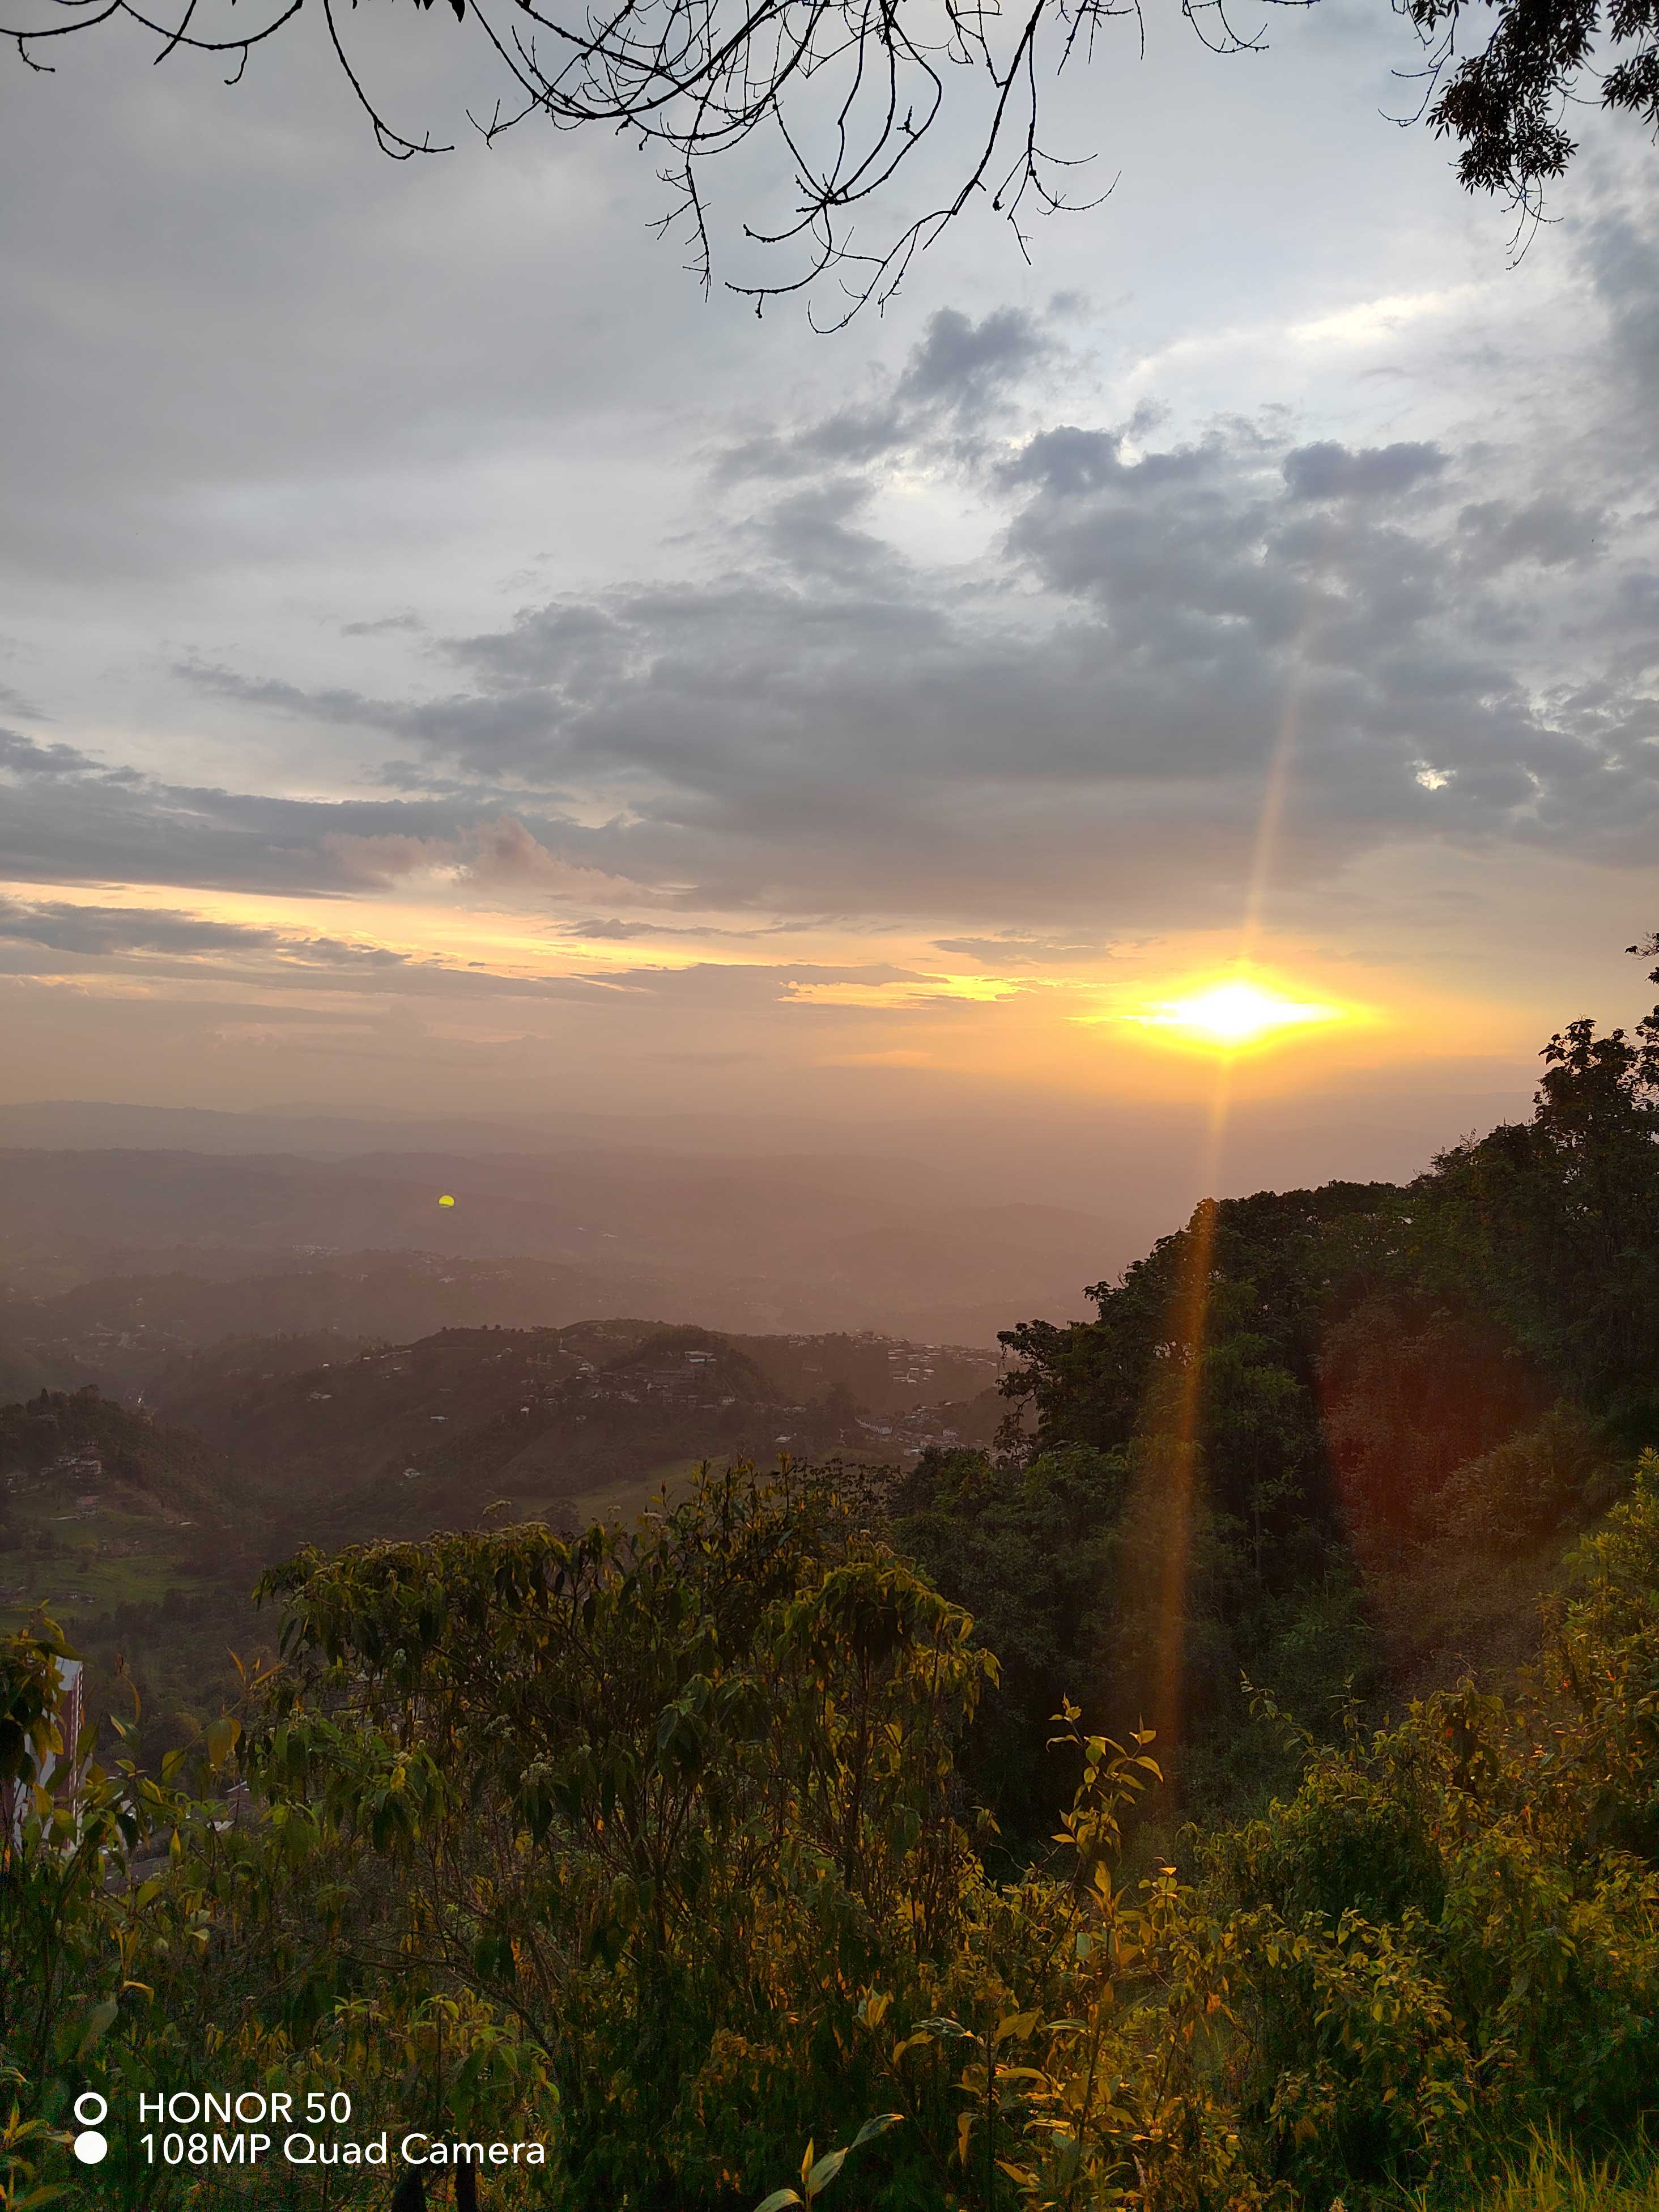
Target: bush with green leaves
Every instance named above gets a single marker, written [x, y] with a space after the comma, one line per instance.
[654, 1844]
[1452, 1933]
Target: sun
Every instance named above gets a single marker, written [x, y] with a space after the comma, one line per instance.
[1232, 1014]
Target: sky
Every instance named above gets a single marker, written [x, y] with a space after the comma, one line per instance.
[451, 664]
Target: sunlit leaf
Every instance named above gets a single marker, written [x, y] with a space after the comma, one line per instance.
[823, 2171]
[878, 2126]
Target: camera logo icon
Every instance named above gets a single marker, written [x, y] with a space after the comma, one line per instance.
[90, 2109]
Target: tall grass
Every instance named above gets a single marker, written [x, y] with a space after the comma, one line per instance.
[1551, 2177]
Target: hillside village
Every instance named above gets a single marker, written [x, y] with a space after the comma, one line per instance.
[229, 1453]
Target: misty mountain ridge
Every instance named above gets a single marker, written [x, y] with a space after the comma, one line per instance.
[757, 1244]
[1136, 1159]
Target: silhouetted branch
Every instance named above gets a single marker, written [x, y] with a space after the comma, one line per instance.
[852, 88]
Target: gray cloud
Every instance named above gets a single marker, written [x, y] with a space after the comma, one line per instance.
[615, 931]
[842, 725]
[1330, 470]
[62, 928]
[1022, 949]
[851, 437]
[98, 934]
[809, 532]
[66, 818]
[385, 627]
[25, 757]
[1061, 730]
[620, 932]
[1494, 533]
[1621, 256]
[968, 366]
[318, 313]
[59, 937]
[959, 375]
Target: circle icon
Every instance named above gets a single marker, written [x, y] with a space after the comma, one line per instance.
[90, 2109]
[446, 1201]
[90, 2146]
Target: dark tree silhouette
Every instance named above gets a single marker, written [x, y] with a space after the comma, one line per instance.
[852, 88]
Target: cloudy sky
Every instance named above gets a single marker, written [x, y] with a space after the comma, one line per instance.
[447, 663]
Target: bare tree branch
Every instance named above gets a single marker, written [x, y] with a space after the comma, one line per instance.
[852, 89]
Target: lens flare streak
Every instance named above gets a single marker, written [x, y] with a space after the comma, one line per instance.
[1229, 1016]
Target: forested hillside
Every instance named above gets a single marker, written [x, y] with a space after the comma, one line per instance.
[1233, 1787]
[60, 1446]
[144, 1531]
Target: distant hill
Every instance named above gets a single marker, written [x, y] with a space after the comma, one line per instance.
[62, 1447]
[883, 1375]
[28, 1368]
[144, 1531]
[128, 1332]
[563, 1423]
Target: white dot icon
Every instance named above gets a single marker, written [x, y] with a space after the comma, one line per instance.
[89, 2147]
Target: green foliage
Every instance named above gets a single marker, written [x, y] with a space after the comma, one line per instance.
[103, 1959]
[654, 1844]
[1032, 1552]
[21, 2143]
[1452, 1933]
[1528, 1490]
[675, 1798]
[818, 2174]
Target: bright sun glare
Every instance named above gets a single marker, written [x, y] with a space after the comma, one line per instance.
[1233, 1013]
